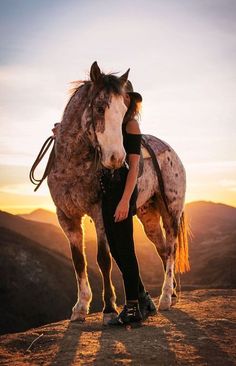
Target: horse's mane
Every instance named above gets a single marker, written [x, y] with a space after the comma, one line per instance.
[88, 90]
[107, 82]
[77, 84]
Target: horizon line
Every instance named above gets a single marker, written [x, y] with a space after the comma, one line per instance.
[29, 209]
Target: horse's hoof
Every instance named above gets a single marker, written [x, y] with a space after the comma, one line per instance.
[164, 303]
[78, 317]
[174, 300]
[107, 317]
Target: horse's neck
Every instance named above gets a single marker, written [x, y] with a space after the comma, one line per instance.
[72, 144]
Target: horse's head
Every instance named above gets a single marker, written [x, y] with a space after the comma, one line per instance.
[104, 115]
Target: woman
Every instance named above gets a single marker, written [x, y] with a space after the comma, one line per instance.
[118, 207]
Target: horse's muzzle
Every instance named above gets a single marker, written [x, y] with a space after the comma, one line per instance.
[113, 163]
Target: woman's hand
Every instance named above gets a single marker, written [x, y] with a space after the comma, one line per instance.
[122, 210]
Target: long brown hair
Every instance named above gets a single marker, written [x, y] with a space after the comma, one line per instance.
[133, 110]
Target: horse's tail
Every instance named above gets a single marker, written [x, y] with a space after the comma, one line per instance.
[182, 256]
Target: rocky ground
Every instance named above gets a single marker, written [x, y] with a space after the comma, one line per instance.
[199, 330]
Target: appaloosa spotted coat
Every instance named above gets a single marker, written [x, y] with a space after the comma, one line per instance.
[91, 128]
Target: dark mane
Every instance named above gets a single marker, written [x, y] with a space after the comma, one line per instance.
[111, 83]
[79, 84]
[107, 82]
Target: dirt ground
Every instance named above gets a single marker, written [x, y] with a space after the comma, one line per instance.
[199, 330]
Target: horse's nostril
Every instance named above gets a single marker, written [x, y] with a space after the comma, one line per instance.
[113, 157]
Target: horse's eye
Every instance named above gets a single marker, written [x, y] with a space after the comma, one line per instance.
[100, 110]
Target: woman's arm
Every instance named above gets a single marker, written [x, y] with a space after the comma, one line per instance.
[133, 160]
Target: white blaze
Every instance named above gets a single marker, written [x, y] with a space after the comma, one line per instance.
[111, 140]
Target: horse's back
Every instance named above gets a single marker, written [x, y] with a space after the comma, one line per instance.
[162, 150]
[170, 167]
[158, 146]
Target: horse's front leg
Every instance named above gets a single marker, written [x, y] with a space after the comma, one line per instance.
[73, 230]
[104, 261]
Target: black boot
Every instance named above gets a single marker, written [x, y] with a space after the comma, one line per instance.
[130, 314]
[146, 305]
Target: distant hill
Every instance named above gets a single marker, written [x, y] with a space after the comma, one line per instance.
[37, 284]
[213, 248]
[50, 217]
[48, 235]
[41, 215]
[208, 218]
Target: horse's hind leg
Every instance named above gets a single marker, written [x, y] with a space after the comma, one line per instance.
[105, 264]
[149, 215]
[73, 230]
[168, 296]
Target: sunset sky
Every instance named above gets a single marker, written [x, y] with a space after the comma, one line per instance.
[182, 57]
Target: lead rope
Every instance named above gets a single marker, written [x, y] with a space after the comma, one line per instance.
[40, 156]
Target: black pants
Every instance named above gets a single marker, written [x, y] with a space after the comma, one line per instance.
[120, 234]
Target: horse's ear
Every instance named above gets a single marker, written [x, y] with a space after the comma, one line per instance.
[95, 72]
[123, 78]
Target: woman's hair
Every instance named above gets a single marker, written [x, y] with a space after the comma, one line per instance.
[133, 110]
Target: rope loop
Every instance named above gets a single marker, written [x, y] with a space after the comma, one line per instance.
[40, 156]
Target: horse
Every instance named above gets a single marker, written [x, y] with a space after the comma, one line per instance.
[89, 138]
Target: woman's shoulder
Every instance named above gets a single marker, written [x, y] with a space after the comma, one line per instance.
[132, 127]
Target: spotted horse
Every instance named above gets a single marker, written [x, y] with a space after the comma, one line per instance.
[88, 138]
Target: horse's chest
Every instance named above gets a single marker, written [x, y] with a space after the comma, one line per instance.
[73, 197]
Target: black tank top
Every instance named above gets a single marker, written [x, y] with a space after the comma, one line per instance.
[132, 145]
[131, 141]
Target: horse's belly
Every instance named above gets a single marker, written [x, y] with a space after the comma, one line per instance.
[174, 179]
[147, 183]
